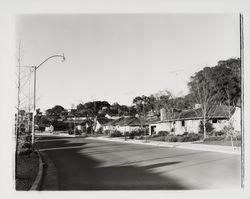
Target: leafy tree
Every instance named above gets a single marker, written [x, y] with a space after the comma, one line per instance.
[55, 111]
[227, 81]
[214, 85]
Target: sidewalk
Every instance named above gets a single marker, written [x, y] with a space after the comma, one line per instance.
[182, 145]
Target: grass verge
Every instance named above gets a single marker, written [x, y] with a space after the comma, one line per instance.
[27, 164]
[27, 169]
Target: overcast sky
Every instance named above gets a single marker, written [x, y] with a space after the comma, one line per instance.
[118, 57]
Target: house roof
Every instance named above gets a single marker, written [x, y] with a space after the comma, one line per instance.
[131, 121]
[218, 112]
[103, 120]
[113, 122]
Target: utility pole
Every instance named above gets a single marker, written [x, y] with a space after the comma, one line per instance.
[34, 107]
[18, 97]
[242, 95]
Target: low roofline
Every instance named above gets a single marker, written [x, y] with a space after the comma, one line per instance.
[191, 118]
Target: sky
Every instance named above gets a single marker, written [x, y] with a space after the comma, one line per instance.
[116, 57]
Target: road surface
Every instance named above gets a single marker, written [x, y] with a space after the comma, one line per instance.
[88, 164]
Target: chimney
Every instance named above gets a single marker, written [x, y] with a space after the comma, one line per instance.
[163, 114]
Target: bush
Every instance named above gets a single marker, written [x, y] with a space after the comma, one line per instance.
[70, 132]
[190, 137]
[126, 134]
[218, 133]
[185, 133]
[78, 132]
[28, 138]
[116, 133]
[214, 138]
[89, 130]
[26, 152]
[208, 125]
[27, 145]
[135, 133]
[154, 135]
[238, 137]
[171, 138]
[163, 133]
[132, 135]
[100, 131]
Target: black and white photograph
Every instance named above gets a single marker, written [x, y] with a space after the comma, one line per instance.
[141, 101]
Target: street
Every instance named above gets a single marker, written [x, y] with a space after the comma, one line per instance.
[88, 164]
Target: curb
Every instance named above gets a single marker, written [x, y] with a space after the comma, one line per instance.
[204, 148]
[50, 176]
[38, 180]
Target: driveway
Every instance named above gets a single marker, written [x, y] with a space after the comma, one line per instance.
[84, 164]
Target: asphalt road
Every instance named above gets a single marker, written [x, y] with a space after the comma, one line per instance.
[84, 164]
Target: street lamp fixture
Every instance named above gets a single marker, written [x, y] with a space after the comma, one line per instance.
[34, 107]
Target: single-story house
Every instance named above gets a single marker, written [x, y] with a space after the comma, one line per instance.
[126, 124]
[99, 123]
[189, 120]
[111, 125]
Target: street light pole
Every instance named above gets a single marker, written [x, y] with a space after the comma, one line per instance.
[34, 107]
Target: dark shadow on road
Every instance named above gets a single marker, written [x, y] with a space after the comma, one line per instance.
[80, 171]
[152, 166]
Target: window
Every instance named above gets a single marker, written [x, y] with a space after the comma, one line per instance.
[182, 123]
[214, 120]
[153, 129]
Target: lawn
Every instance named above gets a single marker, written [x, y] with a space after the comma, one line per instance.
[26, 166]
[222, 142]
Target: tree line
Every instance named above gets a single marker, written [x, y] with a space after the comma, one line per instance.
[219, 84]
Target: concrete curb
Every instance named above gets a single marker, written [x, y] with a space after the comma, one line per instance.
[213, 148]
[50, 176]
[38, 180]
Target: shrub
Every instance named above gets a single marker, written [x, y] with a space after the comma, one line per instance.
[26, 152]
[163, 133]
[28, 138]
[190, 137]
[100, 131]
[27, 145]
[238, 137]
[218, 133]
[78, 132]
[185, 139]
[185, 133]
[154, 135]
[208, 125]
[132, 135]
[139, 132]
[116, 133]
[171, 138]
[106, 132]
[126, 134]
[214, 138]
[89, 130]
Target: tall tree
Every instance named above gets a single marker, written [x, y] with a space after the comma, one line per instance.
[202, 89]
[227, 80]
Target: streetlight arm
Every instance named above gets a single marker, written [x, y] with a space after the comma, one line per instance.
[35, 68]
[50, 58]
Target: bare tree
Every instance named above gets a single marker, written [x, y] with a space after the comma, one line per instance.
[203, 94]
[229, 108]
